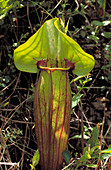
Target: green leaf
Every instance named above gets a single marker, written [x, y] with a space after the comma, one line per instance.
[93, 141]
[97, 23]
[94, 38]
[106, 34]
[108, 47]
[92, 165]
[105, 23]
[3, 15]
[87, 155]
[105, 156]
[5, 104]
[107, 150]
[6, 6]
[53, 48]
[77, 78]
[79, 137]
[84, 157]
[35, 159]
[108, 56]
[76, 99]
[95, 150]
[66, 28]
[67, 156]
[83, 34]
[32, 167]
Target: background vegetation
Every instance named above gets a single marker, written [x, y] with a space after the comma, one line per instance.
[90, 26]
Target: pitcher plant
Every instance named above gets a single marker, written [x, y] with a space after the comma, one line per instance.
[52, 53]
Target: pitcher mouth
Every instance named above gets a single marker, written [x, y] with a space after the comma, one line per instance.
[54, 69]
[42, 65]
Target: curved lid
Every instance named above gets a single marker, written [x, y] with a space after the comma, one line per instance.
[54, 49]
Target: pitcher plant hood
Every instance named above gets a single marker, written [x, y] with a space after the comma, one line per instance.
[50, 47]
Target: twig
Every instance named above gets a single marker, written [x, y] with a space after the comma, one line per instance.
[17, 107]
[28, 17]
[69, 165]
[107, 130]
[3, 142]
[8, 86]
[77, 5]
[22, 158]
[86, 119]
[109, 164]
[21, 149]
[13, 89]
[16, 121]
[26, 131]
[54, 9]
[94, 80]
[101, 137]
[82, 127]
[9, 163]
[105, 162]
[83, 120]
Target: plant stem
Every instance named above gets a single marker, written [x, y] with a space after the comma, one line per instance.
[52, 111]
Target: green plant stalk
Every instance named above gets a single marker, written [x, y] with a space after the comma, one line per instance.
[52, 111]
